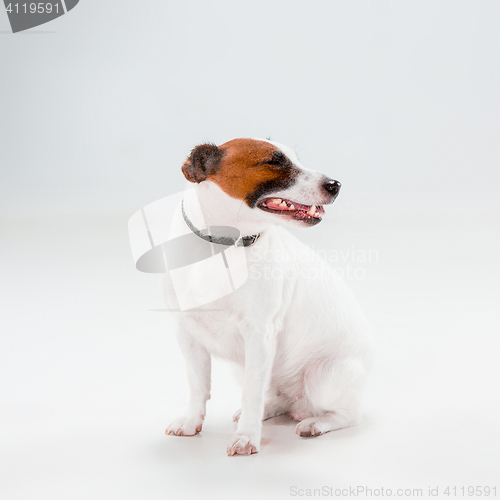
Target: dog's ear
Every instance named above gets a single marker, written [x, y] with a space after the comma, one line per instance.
[203, 161]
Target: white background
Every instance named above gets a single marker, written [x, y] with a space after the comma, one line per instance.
[398, 100]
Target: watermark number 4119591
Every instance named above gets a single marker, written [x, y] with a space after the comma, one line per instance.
[26, 15]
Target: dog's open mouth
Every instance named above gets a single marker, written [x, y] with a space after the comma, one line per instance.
[306, 213]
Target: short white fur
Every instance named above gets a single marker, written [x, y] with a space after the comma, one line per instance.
[294, 328]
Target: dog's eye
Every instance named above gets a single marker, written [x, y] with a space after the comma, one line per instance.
[282, 165]
[277, 163]
[278, 160]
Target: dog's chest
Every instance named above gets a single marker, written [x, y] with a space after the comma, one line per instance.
[218, 329]
[257, 305]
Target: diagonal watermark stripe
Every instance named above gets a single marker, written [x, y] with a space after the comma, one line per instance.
[201, 271]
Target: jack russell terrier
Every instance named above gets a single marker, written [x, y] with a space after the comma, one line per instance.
[300, 338]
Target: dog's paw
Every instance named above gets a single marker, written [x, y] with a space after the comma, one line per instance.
[243, 444]
[185, 426]
[311, 427]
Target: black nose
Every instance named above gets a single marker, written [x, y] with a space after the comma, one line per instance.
[332, 186]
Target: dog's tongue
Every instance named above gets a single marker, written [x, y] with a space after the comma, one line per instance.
[297, 210]
[277, 204]
[280, 204]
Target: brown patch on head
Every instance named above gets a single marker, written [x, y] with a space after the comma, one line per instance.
[250, 168]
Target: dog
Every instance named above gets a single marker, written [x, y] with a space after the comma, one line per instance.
[300, 339]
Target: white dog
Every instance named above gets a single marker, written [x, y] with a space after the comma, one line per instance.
[293, 327]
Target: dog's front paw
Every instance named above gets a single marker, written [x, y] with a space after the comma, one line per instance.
[185, 426]
[243, 444]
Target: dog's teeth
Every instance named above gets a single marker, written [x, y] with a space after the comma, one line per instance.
[292, 207]
[312, 210]
[283, 204]
[277, 201]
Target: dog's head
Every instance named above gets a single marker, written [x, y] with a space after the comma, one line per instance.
[266, 176]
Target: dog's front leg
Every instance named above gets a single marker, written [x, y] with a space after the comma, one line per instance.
[259, 355]
[198, 367]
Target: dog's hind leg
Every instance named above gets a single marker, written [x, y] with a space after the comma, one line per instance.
[331, 421]
[334, 392]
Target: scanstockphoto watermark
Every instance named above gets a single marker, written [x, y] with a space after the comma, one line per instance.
[456, 491]
[350, 264]
[258, 271]
[355, 491]
[311, 254]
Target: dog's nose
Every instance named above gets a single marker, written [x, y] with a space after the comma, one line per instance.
[332, 186]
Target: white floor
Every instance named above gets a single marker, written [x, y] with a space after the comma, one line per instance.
[91, 374]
